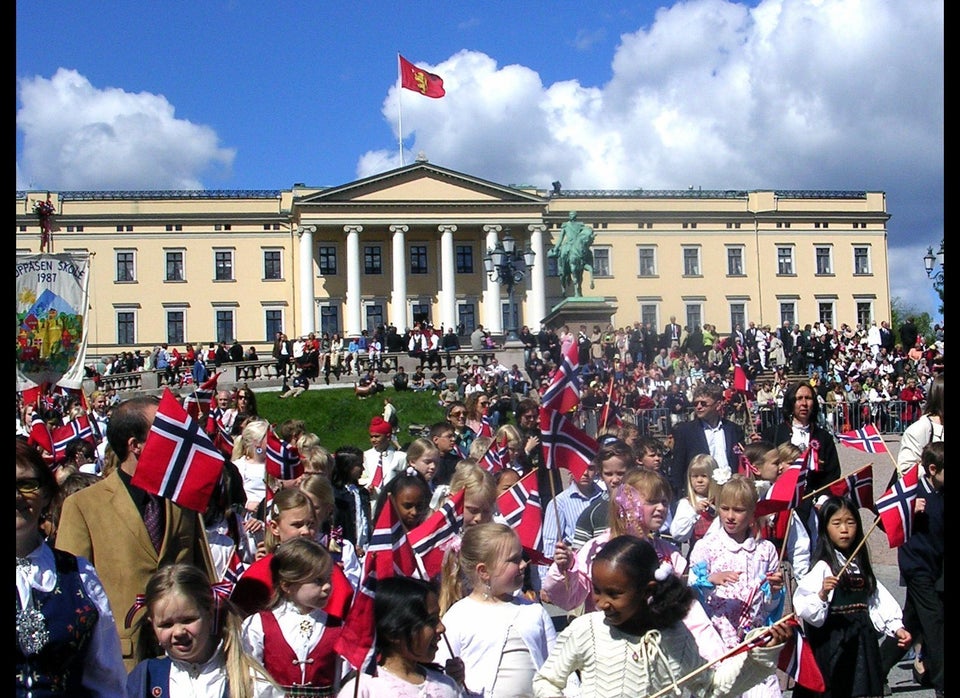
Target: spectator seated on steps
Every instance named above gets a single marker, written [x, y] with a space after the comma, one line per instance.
[300, 385]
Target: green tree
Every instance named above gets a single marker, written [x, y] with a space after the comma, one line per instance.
[900, 310]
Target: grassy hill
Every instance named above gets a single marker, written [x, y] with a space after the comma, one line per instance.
[339, 418]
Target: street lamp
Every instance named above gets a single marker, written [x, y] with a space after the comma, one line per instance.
[506, 264]
[930, 260]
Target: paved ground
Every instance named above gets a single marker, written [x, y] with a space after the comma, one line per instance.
[884, 558]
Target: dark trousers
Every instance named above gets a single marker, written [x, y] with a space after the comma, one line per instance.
[923, 618]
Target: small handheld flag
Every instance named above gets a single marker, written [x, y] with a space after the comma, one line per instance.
[867, 439]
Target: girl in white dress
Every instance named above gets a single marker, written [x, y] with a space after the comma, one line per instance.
[502, 637]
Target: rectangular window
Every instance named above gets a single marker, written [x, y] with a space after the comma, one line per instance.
[864, 313]
[125, 267]
[126, 328]
[738, 314]
[327, 260]
[273, 322]
[175, 327]
[648, 313]
[825, 311]
[824, 261]
[694, 315]
[464, 254]
[691, 261]
[223, 265]
[330, 319]
[601, 261]
[271, 265]
[861, 260]
[374, 313]
[372, 260]
[224, 329]
[174, 265]
[648, 261]
[788, 312]
[420, 312]
[466, 318]
[785, 261]
[418, 259]
[734, 261]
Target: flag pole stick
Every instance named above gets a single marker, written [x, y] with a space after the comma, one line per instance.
[606, 407]
[856, 550]
[704, 667]
[786, 535]
[830, 484]
[400, 108]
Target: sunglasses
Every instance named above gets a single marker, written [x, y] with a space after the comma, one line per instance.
[28, 485]
[703, 403]
[456, 414]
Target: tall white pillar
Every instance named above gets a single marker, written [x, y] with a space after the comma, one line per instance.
[491, 294]
[398, 299]
[448, 275]
[353, 322]
[537, 300]
[307, 307]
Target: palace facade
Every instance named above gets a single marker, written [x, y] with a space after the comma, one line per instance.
[409, 245]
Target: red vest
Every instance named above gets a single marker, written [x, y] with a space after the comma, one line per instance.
[281, 662]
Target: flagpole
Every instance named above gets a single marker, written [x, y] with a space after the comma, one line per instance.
[830, 484]
[606, 407]
[856, 550]
[704, 667]
[400, 107]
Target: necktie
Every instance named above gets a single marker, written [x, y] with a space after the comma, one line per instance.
[378, 475]
[151, 518]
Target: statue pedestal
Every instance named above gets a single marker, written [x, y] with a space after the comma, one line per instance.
[586, 310]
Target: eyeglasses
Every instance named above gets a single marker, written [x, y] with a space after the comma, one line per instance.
[458, 413]
[703, 403]
[28, 485]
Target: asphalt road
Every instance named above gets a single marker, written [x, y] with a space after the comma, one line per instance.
[883, 557]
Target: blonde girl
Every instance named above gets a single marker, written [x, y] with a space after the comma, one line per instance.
[250, 457]
[294, 638]
[480, 496]
[200, 633]
[502, 637]
[738, 576]
[697, 510]
[320, 492]
[509, 435]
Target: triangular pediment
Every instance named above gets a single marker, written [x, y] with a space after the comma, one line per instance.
[424, 184]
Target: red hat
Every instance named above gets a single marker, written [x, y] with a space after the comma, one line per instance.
[378, 425]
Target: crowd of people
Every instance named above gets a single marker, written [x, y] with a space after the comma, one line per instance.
[651, 563]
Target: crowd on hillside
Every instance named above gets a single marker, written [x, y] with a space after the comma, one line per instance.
[657, 535]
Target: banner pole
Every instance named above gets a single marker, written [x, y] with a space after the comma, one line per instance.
[400, 108]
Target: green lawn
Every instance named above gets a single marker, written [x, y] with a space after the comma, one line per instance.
[339, 418]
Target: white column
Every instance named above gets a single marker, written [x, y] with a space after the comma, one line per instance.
[537, 300]
[307, 307]
[353, 322]
[448, 275]
[398, 299]
[491, 294]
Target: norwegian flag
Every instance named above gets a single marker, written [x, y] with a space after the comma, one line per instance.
[178, 461]
[857, 486]
[895, 507]
[521, 508]
[218, 431]
[866, 439]
[797, 661]
[786, 492]
[564, 444]
[744, 466]
[268, 504]
[496, 457]
[78, 428]
[563, 393]
[486, 428]
[810, 459]
[40, 435]
[283, 459]
[200, 400]
[235, 568]
[389, 554]
[740, 381]
[429, 538]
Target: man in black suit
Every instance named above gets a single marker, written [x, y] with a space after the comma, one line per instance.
[887, 340]
[786, 336]
[672, 333]
[706, 433]
[908, 334]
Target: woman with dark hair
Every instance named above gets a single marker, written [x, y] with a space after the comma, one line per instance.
[67, 643]
[801, 426]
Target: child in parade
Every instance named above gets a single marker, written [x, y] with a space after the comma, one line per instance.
[698, 509]
[635, 643]
[294, 638]
[843, 607]
[200, 634]
[409, 494]
[320, 492]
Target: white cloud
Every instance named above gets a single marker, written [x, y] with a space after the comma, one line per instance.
[76, 136]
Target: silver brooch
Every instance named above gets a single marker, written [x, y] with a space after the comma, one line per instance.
[32, 630]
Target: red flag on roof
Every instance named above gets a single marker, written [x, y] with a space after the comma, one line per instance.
[419, 80]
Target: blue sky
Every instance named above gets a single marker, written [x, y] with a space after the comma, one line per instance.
[787, 94]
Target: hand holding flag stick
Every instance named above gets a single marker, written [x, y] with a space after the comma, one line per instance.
[777, 631]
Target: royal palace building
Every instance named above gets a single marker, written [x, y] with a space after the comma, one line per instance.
[409, 245]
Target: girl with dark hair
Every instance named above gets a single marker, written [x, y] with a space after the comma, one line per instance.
[636, 639]
[844, 607]
[408, 627]
[410, 495]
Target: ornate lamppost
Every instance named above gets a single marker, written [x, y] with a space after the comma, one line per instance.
[506, 264]
[930, 262]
